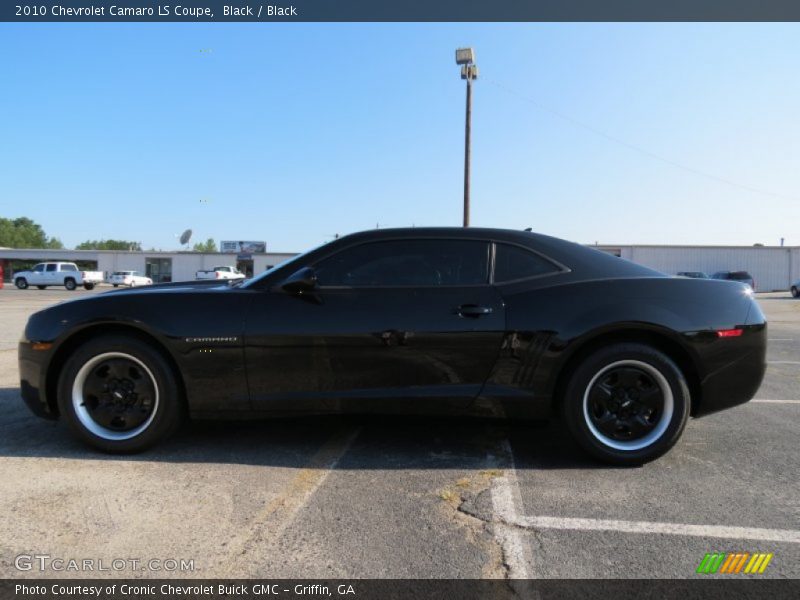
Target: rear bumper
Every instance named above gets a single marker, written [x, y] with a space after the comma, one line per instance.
[738, 380]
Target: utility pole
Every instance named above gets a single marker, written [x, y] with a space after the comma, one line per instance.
[469, 71]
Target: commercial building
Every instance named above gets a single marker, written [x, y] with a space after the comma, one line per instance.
[159, 266]
[774, 268]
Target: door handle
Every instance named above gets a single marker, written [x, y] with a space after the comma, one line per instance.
[473, 310]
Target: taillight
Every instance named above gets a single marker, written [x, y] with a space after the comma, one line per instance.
[726, 333]
[217, 274]
[83, 274]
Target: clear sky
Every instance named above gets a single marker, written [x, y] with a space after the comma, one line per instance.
[290, 133]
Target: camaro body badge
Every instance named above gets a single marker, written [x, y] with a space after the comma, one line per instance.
[207, 340]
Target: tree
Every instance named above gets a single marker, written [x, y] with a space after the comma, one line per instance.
[208, 246]
[25, 233]
[110, 245]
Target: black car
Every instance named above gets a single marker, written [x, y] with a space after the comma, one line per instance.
[479, 321]
[740, 276]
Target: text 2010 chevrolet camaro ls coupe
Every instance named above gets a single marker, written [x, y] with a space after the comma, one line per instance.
[483, 321]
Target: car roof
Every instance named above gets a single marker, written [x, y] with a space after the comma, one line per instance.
[588, 261]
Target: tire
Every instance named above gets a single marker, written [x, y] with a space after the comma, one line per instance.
[41, 287]
[133, 284]
[116, 285]
[145, 407]
[70, 284]
[88, 286]
[21, 283]
[604, 408]
[795, 292]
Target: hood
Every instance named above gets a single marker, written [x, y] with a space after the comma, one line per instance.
[176, 286]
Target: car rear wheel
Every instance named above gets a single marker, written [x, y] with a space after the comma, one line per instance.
[795, 291]
[21, 283]
[88, 286]
[41, 287]
[627, 404]
[119, 394]
[69, 283]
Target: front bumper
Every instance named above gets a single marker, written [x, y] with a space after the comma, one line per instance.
[33, 379]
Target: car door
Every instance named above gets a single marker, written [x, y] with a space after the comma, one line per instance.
[51, 275]
[399, 319]
[37, 275]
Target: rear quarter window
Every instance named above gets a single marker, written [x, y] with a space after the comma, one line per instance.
[514, 262]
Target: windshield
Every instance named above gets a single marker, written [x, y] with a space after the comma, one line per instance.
[280, 265]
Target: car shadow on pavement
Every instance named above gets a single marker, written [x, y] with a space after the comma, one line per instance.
[380, 442]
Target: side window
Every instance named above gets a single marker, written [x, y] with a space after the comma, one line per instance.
[68, 267]
[51, 267]
[513, 262]
[38, 268]
[407, 263]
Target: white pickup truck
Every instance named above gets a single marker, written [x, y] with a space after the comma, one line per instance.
[57, 273]
[220, 273]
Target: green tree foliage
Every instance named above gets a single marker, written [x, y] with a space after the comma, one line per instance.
[25, 233]
[109, 245]
[208, 246]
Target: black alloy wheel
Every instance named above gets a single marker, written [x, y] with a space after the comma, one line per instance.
[626, 403]
[120, 394]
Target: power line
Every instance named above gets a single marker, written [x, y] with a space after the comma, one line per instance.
[634, 147]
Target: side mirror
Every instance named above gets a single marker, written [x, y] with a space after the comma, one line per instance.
[303, 280]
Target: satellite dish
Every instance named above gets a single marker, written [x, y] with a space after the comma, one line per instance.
[185, 237]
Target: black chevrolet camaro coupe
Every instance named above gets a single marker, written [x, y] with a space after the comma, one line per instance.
[480, 321]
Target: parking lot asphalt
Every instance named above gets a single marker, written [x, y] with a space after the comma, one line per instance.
[402, 497]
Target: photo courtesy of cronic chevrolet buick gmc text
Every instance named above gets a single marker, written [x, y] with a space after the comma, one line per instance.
[422, 320]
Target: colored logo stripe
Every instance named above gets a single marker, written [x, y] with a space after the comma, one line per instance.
[734, 562]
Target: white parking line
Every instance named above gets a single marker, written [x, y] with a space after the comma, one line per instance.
[767, 401]
[780, 340]
[648, 527]
[507, 505]
[281, 511]
[783, 362]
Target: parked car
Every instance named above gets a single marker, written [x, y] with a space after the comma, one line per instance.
[57, 273]
[220, 273]
[693, 274]
[129, 278]
[410, 320]
[740, 276]
[795, 289]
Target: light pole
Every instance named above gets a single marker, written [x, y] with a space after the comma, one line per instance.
[469, 71]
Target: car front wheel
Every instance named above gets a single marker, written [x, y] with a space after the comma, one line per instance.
[627, 404]
[21, 283]
[795, 291]
[119, 394]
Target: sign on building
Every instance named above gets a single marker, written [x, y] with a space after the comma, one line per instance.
[243, 247]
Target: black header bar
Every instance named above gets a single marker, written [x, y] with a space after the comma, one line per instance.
[711, 588]
[399, 10]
